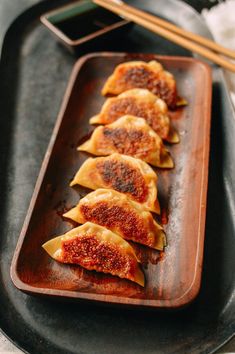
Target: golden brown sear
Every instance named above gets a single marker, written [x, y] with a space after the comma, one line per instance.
[131, 136]
[119, 214]
[140, 103]
[96, 248]
[125, 174]
[123, 178]
[139, 74]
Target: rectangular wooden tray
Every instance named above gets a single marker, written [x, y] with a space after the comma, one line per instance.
[173, 278]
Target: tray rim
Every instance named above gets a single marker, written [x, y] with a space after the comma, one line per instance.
[194, 288]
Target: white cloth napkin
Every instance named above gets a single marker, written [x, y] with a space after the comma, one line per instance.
[221, 22]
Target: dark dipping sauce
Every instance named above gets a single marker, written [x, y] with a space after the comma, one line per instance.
[87, 23]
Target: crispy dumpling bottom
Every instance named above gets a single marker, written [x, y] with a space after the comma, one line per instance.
[139, 74]
[121, 215]
[140, 103]
[130, 136]
[125, 174]
[95, 248]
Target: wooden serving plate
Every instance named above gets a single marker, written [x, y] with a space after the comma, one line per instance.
[173, 277]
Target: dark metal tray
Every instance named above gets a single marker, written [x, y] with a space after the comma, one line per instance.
[34, 74]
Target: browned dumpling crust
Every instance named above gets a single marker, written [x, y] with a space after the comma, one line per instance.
[140, 103]
[139, 74]
[121, 215]
[125, 174]
[130, 136]
[95, 248]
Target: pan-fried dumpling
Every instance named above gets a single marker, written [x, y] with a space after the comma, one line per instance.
[125, 174]
[140, 103]
[131, 136]
[121, 215]
[139, 74]
[96, 248]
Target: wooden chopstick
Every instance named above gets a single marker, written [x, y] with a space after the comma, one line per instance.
[173, 28]
[146, 20]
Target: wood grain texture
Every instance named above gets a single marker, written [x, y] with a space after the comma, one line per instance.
[173, 278]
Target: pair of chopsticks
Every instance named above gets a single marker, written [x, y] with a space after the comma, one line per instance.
[203, 46]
